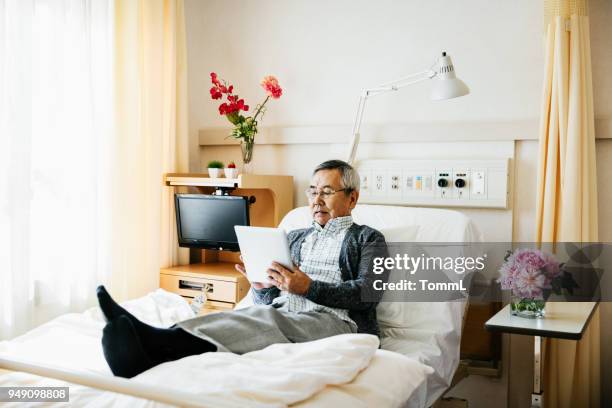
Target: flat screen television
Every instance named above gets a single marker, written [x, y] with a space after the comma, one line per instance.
[207, 221]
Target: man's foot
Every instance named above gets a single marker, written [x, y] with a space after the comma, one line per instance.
[110, 308]
[123, 350]
[159, 344]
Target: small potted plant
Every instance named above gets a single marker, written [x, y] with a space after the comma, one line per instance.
[231, 171]
[214, 168]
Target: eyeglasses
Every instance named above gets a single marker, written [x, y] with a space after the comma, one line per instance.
[312, 193]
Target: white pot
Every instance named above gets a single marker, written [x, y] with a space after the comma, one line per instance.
[231, 172]
[214, 173]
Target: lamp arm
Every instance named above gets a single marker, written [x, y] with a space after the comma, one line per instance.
[358, 118]
[384, 88]
[428, 73]
[400, 83]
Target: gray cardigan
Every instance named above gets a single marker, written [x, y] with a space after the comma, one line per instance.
[360, 246]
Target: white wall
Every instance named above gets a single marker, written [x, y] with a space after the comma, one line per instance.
[325, 52]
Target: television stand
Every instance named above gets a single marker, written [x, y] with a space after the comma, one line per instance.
[271, 197]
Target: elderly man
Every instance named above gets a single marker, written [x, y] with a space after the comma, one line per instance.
[321, 296]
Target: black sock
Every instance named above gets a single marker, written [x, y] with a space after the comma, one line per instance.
[110, 308]
[123, 350]
[160, 344]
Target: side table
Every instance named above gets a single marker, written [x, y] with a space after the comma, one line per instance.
[563, 320]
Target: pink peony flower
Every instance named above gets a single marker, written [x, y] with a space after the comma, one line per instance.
[552, 268]
[528, 271]
[508, 273]
[530, 257]
[271, 86]
[529, 283]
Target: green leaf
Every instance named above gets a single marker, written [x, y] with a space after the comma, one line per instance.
[235, 118]
[215, 164]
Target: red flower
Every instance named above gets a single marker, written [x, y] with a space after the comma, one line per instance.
[219, 88]
[273, 89]
[214, 79]
[215, 93]
[232, 107]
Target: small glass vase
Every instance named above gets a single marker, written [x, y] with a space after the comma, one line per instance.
[527, 307]
[199, 301]
[247, 155]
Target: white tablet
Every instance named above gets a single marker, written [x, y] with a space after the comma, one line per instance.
[260, 247]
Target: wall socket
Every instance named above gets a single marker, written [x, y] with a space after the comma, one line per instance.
[379, 183]
[444, 183]
[478, 188]
[395, 183]
[461, 184]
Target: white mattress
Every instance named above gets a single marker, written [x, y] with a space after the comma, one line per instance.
[73, 341]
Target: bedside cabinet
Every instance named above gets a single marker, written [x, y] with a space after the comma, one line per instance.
[227, 286]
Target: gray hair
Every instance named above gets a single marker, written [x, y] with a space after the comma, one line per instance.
[350, 177]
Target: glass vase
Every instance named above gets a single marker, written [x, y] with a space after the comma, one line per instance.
[247, 155]
[527, 307]
[199, 301]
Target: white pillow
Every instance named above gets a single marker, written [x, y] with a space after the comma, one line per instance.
[405, 224]
[406, 233]
[301, 218]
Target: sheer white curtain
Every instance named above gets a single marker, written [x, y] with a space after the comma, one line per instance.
[55, 144]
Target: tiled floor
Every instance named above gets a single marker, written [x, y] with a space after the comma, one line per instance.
[481, 391]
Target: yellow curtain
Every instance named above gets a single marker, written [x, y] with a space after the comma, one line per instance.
[152, 139]
[567, 192]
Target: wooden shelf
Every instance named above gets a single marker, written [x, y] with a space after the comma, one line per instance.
[223, 271]
[200, 180]
[274, 194]
[242, 181]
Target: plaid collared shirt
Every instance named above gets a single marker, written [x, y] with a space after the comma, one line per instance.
[320, 260]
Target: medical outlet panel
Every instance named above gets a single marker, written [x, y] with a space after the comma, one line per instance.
[441, 183]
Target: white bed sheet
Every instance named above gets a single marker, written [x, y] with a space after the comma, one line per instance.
[73, 341]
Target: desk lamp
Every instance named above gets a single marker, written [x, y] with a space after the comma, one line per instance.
[446, 86]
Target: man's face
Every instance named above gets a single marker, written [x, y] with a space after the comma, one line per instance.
[336, 205]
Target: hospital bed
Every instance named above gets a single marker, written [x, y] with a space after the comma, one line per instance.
[415, 365]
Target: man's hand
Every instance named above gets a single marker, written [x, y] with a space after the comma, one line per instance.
[293, 281]
[256, 285]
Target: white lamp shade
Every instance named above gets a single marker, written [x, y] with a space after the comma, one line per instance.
[448, 88]
[446, 85]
